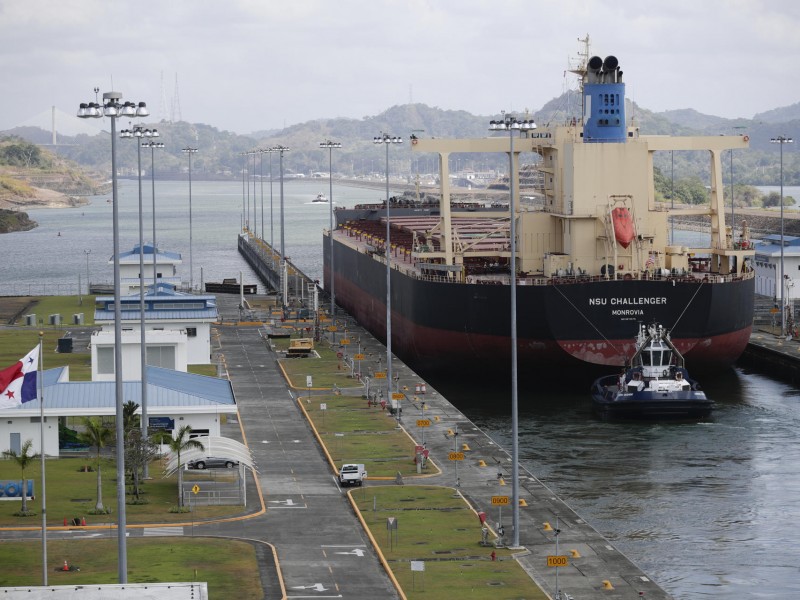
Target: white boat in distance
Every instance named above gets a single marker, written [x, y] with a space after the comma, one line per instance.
[320, 199]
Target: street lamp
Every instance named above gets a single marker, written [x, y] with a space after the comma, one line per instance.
[261, 152]
[189, 152]
[244, 170]
[387, 140]
[782, 140]
[284, 284]
[114, 108]
[88, 287]
[330, 146]
[511, 124]
[137, 133]
[153, 145]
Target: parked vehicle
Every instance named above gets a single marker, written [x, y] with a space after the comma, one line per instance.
[352, 474]
[212, 462]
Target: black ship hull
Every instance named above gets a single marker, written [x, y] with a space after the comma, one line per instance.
[441, 326]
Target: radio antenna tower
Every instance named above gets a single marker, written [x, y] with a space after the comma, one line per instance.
[176, 103]
[162, 107]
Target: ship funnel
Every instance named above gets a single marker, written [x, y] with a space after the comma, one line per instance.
[593, 67]
[610, 63]
[604, 101]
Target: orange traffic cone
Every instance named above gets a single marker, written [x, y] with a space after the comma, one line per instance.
[65, 567]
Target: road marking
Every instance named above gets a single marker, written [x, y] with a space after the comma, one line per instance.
[159, 531]
[357, 551]
[317, 587]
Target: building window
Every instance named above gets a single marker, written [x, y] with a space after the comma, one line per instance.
[192, 331]
[105, 360]
[161, 356]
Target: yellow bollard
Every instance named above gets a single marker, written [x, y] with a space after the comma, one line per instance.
[607, 585]
[481, 463]
[522, 502]
[546, 526]
[465, 447]
[575, 554]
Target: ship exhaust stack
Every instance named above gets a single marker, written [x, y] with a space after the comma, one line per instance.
[604, 102]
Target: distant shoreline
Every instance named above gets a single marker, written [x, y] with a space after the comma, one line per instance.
[42, 198]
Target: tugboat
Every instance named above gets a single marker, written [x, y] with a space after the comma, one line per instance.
[320, 199]
[654, 384]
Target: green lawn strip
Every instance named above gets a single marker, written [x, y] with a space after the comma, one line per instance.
[17, 342]
[72, 493]
[437, 526]
[355, 433]
[66, 306]
[229, 566]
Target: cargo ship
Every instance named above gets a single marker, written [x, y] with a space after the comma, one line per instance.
[592, 260]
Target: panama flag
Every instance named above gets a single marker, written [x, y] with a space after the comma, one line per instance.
[18, 382]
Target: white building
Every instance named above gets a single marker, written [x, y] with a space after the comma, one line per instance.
[177, 332]
[767, 263]
[166, 268]
[174, 399]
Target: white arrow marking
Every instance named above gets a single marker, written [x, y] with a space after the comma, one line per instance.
[317, 587]
[356, 551]
[287, 502]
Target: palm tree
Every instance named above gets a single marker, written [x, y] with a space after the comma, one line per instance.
[177, 444]
[96, 436]
[130, 420]
[23, 459]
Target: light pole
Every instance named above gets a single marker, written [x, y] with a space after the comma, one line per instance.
[782, 140]
[284, 284]
[271, 222]
[114, 108]
[88, 287]
[330, 146]
[255, 212]
[153, 145]
[189, 152]
[244, 170]
[387, 140]
[261, 152]
[137, 133]
[511, 124]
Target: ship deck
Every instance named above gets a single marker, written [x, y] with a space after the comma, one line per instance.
[417, 252]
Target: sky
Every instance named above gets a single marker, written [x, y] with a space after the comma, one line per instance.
[251, 65]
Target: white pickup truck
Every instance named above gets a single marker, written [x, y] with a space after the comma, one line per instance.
[352, 474]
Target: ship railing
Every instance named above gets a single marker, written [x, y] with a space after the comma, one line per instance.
[573, 279]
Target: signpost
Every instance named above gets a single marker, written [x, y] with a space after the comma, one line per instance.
[500, 502]
[423, 424]
[309, 385]
[323, 406]
[418, 566]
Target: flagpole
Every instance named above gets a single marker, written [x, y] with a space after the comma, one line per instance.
[40, 390]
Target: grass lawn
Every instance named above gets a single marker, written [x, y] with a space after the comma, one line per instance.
[73, 493]
[445, 535]
[355, 433]
[229, 567]
[66, 306]
[17, 342]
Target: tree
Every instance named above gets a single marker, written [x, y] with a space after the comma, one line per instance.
[178, 444]
[23, 459]
[130, 420]
[138, 452]
[96, 436]
[774, 199]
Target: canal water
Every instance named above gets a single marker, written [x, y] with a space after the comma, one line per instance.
[709, 510]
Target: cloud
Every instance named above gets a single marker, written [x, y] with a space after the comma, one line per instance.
[246, 65]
